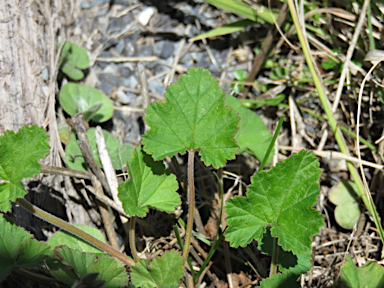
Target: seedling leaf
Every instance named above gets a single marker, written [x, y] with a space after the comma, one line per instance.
[73, 58]
[18, 248]
[164, 271]
[347, 211]
[252, 135]
[369, 275]
[150, 185]
[285, 279]
[18, 160]
[280, 198]
[193, 118]
[119, 153]
[76, 98]
[74, 242]
[110, 270]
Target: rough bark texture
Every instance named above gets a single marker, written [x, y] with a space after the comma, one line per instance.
[23, 57]
[29, 33]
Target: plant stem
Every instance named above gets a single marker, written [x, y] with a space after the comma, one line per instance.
[36, 277]
[275, 251]
[74, 231]
[331, 120]
[132, 245]
[191, 203]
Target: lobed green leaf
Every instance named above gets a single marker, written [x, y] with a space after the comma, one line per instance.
[193, 118]
[164, 271]
[19, 154]
[18, 248]
[150, 185]
[369, 275]
[253, 135]
[109, 269]
[280, 198]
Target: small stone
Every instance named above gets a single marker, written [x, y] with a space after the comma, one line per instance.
[120, 46]
[146, 15]
[103, 24]
[92, 79]
[164, 49]
[124, 98]
[45, 74]
[120, 23]
[156, 87]
[108, 82]
[111, 69]
[131, 82]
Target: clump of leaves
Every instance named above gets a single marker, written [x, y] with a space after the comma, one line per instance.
[73, 60]
[344, 196]
[77, 98]
[119, 153]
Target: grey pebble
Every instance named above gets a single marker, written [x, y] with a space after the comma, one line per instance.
[108, 82]
[156, 87]
[131, 81]
[164, 49]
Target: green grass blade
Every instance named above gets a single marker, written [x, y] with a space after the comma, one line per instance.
[262, 164]
[331, 120]
[225, 29]
[242, 9]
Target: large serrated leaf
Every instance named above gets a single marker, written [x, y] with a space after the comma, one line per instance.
[18, 248]
[281, 198]
[253, 135]
[19, 154]
[109, 269]
[193, 118]
[150, 185]
[164, 271]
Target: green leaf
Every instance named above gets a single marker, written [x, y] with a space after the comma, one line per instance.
[63, 237]
[76, 98]
[280, 198]
[225, 29]
[110, 270]
[119, 153]
[193, 118]
[150, 185]
[344, 196]
[18, 248]
[286, 279]
[19, 154]
[286, 260]
[164, 271]
[245, 10]
[253, 135]
[369, 275]
[73, 58]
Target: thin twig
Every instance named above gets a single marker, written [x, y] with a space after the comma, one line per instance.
[75, 231]
[64, 171]
[78, 121]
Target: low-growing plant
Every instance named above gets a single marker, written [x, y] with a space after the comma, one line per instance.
[197, 117]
